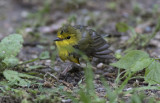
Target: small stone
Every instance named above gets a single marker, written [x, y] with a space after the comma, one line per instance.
[100, 65]
[66, 101]
[48, 62]
[148, 29]
[29, 30]
[94, 68]
[83, 65]
[57, 68]
[127, 89]
[24, 14]
[34, 56]
[97, 76]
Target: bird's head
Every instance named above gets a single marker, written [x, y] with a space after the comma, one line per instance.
[68, 34]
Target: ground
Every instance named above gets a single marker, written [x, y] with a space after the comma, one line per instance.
[38, 21]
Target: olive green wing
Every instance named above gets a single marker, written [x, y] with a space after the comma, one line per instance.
[100, 47]
[94, 45]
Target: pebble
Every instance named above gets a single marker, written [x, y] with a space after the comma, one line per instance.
[48, 62]
[94, 68]
[148, 29]
[83, 65]
[24, 14]
[66, 101]
[57, 68]
[97, 76]
[100, 65]
[127, 89]
[29, 30]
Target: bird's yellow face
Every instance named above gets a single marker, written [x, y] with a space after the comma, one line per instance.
[67, 37]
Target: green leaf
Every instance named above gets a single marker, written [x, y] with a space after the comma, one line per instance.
[19, 79]
[35, 67]
[141, 64]
[10, 46]
[44, 55]
[152, 73]
[134, 60]
[11, 61]
[122, 27]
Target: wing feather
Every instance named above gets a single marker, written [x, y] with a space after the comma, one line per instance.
[104, 56]
[100, 47]
[93, 44]
[104, 47]
[104, 52]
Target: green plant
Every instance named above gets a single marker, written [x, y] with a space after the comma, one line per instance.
[132, 62]
[136, 40]
[137, 60]
[9, 48]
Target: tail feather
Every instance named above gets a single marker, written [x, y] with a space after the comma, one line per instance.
[104, 56]
[99, 43]
[100, 48]
[104, 47]
[104, 52]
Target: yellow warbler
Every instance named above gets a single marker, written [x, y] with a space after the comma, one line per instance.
[71, 39]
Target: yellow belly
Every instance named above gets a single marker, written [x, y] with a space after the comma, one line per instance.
[64, 50]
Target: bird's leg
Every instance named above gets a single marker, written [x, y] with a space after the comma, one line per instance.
[73, 67]
[68, 68]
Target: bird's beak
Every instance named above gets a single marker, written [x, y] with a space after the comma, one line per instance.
[58, 39]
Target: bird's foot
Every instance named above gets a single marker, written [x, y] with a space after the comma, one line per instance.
[68, 68]
[72, 67]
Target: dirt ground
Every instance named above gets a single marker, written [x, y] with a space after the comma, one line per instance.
[38, 22]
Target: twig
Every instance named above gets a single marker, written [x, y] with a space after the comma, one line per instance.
[60, 81]
[51, 76]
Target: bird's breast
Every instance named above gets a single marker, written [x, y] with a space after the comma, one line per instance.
[64, 49]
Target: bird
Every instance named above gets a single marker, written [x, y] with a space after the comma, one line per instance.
[72, 39]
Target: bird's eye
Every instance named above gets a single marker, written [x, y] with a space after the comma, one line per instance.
[68, 37]
[61, 32]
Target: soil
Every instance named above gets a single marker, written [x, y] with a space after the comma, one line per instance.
[39, 31]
